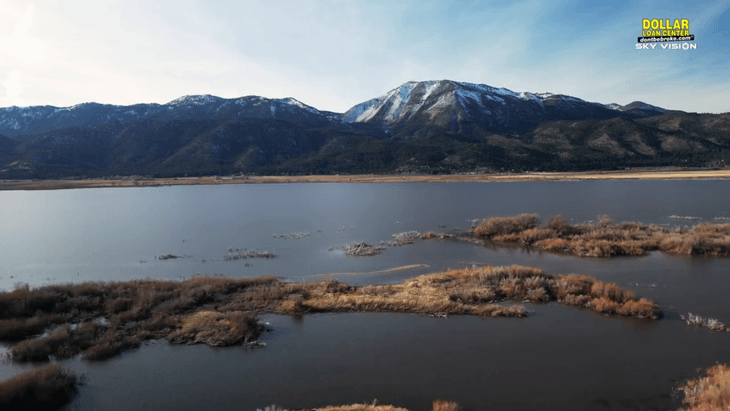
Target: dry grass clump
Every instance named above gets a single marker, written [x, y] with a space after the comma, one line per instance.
[428, 235]
[707, 393]
[492, 227]
[443, 405]
[584, 291]
[605, 239]
[62, 342]
[217, 329]
[102, 319]
[49, 387]
[16, 329]
[402, 238]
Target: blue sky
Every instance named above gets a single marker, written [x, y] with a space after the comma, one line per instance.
[334, 54]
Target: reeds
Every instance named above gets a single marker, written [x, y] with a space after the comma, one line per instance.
[101, 319]
[709, 392]
[49, 387]
[605, 239]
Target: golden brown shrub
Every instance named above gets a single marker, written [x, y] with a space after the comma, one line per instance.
[443, 405]
[604, 239]
[506, 225]
[709, 392]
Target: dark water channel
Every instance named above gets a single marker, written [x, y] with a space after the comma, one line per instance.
[559, 358]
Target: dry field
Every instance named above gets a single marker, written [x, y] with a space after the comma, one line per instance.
[636, 174]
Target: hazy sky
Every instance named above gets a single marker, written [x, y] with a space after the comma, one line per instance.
[335, 54]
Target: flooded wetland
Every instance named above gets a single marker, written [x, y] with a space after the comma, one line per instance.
[307, 295]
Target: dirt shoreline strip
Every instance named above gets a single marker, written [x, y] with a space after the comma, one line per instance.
[366, 178]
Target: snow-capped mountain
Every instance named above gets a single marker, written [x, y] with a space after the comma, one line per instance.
[16, 121]
[452, 104]
[427, 126]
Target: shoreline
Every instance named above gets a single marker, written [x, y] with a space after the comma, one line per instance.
[8, 185]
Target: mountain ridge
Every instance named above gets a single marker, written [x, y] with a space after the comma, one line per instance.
[16, 120]
[438, 126]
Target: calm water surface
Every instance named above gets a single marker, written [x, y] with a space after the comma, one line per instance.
[558, 358]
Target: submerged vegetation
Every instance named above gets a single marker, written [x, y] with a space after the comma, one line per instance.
[605, 239]
[246, 254]
[709, 392]
[169, 257]
[101, 319]
[363, 249]
[360, 249]
[711, 323]
[294, 236]
[49, 387]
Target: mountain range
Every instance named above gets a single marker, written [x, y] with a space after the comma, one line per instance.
[426, 127]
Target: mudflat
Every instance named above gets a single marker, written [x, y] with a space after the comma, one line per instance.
[638, 174]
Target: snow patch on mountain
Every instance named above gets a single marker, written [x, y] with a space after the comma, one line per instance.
[296, 103]
[194, 100]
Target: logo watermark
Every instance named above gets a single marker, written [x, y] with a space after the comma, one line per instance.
[655, 31]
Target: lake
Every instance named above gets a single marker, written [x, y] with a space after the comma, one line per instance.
[558, 358]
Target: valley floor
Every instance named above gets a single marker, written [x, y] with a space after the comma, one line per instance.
[634, 174]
